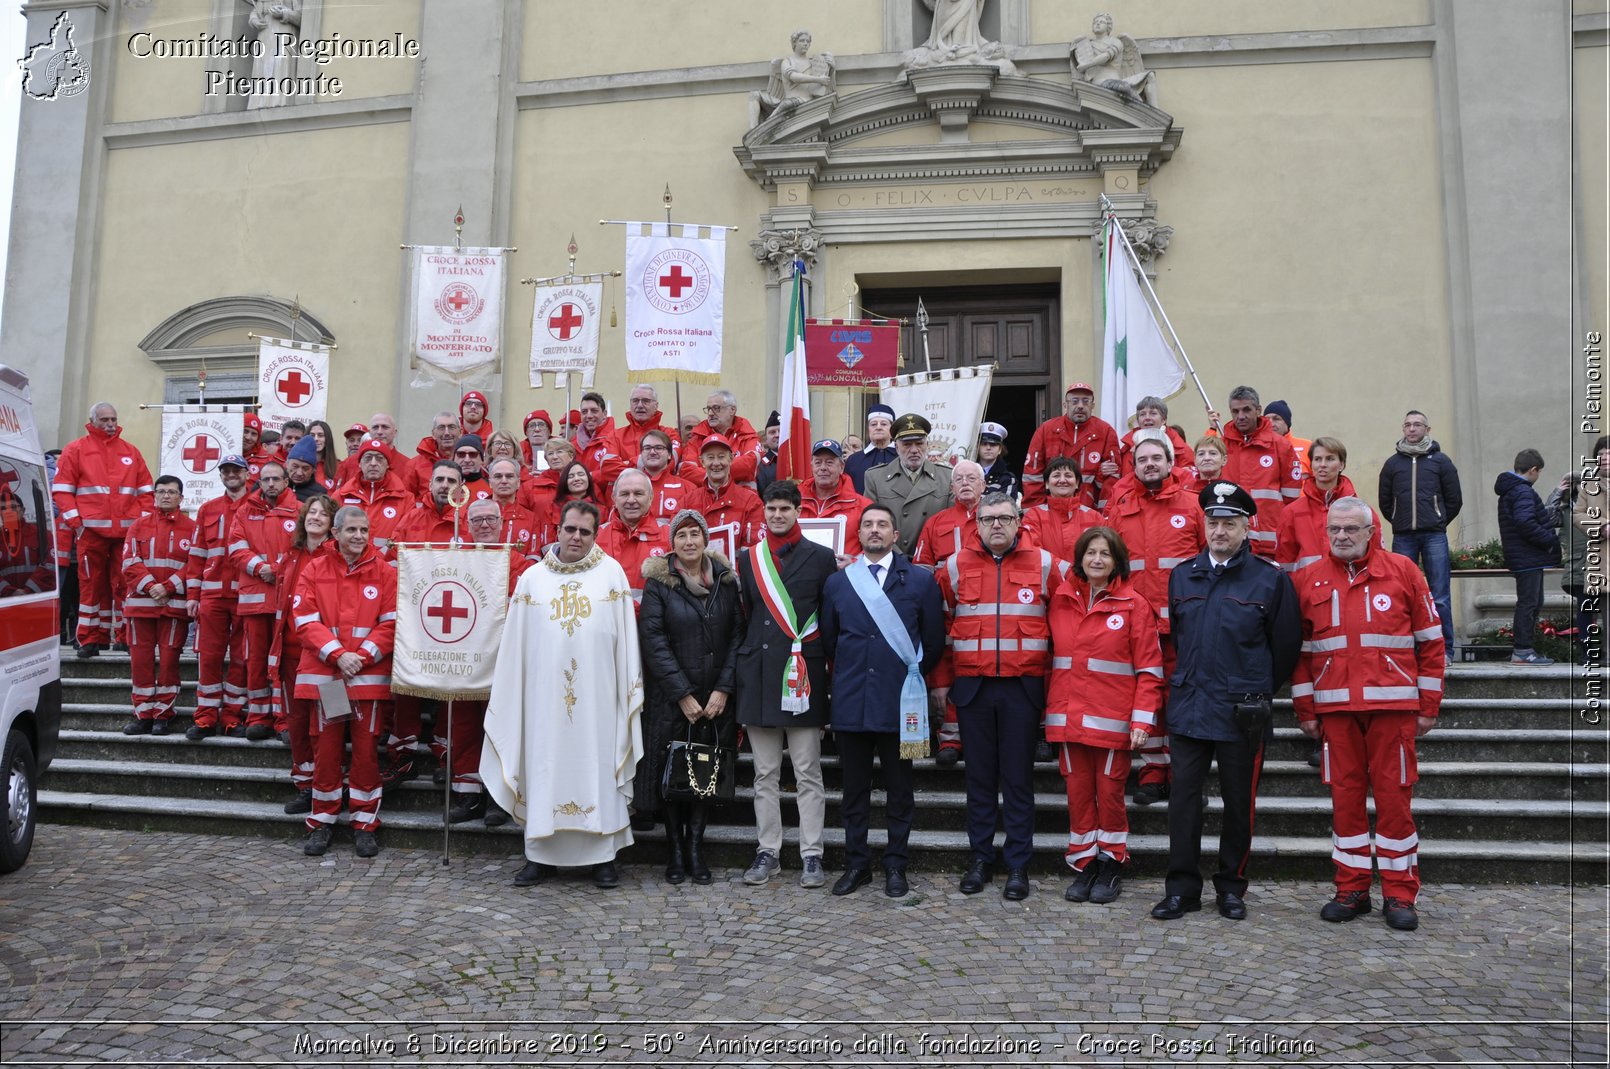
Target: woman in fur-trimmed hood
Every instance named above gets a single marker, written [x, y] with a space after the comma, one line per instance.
[690, 626]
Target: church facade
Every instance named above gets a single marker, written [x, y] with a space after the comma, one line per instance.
[1359, 206]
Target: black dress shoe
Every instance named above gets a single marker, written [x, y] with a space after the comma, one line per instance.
[160, 727]
[894, 883]
[1017, 885]
[604, 875]
[236, 732]
[302, 803]
[439, 777]
[1043, 752]
[533, 873]
[259, 732]
[1083, 881]
[947, 757]
[195, 732]
[137, 726]
[1174, 907]
[472, 808]
[1150, 793]
[978, 874]
[284, 736]
[88, 650]
[495, 816]
[1231, 907]
[852, 881]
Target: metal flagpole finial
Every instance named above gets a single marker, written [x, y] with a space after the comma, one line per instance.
[922, 317]
[571, 250]
[458, 228]
[666, 200]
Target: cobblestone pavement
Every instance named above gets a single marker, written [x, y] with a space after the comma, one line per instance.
[131, 947]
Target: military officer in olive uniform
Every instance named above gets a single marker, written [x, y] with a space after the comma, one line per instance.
[911, 486]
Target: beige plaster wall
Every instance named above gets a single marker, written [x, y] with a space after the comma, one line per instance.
[1308, 258]
[246, 224]
[567, 177]
[1138, 18]
[1592, 121]
[612, 36]
[154, 87]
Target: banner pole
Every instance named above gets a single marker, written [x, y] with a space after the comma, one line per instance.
[447, 790]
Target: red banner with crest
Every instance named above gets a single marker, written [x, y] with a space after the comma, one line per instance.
[853, 353]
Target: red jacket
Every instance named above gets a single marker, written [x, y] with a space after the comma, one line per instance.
[101, 484]
[631, 547]
[520, 530]
[1107, 668]
[745, 445]
[157, 550]
[843, 501]
[387, 503]
[255, 462]
[426, 523]
[1302, 539]
[1091, 443]
[995, 613]
[601, 457]
[672, 493]
[1371, 639]
[416, 473]
[943, 535]
[732, 504]
[209, 550]
[629, 438]
[1160, 530]
[261, 535]
[1056, 524]
[1184, 455]
[287, 644]
[1265, 466]
[340, 608]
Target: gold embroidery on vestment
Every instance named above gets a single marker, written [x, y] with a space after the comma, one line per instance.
[571, 608]
[572, 809]
[570, 691]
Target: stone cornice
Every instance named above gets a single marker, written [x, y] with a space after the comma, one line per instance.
[320, 115]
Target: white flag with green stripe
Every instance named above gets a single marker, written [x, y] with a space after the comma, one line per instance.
[1136, 361]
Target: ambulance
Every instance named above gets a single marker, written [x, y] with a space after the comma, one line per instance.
[30, 622]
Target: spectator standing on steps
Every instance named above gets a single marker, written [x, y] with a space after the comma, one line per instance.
[1419, 496]
[1530, 545]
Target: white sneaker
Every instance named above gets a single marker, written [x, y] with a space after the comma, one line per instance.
[814, 875]
[764, 868]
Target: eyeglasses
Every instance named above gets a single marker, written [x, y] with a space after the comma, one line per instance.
[655, 449]
[483, 521]
[1350, 530]
[996, 521]
[466, 454]
[572, 529]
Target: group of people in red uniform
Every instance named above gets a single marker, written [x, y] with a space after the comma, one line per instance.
[284, 576]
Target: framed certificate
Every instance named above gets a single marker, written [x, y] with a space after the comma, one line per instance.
[825, 531]
[724, 540]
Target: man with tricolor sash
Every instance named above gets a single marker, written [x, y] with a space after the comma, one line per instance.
[782, 680]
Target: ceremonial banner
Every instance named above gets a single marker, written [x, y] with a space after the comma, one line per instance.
[457, 327]
[564, 330]
[451, 604]
[194, 439]
[794, 437]
[853, 353]
[293, 381]
[952, 401]
[674, 297]
[1136, 361]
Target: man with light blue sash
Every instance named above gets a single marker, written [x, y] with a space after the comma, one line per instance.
[883, 627]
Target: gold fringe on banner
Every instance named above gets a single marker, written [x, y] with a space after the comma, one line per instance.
[910, 751]
[441, 695]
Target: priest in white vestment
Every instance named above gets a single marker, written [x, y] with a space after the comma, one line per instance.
[564, 722]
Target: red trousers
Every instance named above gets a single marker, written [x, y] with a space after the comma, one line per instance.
[1098, 824]
[154, 646]
[1365, 753]
[406, 716]
[259, 629]
[219, 635]
[1154, 760]
[100, 587]
[469, 722]
[363, 781]
[299, 714]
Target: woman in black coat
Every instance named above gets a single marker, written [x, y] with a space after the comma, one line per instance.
[690, 626]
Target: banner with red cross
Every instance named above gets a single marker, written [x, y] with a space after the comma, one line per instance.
[456, 331]
[564, 330]
[194, 439]
[451, 604]
[293, 381]
[674, 303]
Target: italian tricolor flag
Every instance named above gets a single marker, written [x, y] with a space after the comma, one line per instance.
[794, 437]
[1135, 360]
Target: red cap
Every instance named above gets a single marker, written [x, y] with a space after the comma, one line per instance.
[474, 395]
[574, 419]
[372, 445]
[253, 421]
[541, 414]
[717, 439]
[356, 428]
[1078, 386]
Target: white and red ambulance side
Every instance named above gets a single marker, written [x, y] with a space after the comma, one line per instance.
[30, 628]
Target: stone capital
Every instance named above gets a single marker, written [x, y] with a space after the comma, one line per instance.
[778, 249]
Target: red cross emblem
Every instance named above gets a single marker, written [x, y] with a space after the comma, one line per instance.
[293, 388]
[459, 303]
[448, 612]
[200, 454]
[675, 281]
[564, 323]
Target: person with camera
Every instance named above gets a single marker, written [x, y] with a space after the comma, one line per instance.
[1237, 635]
